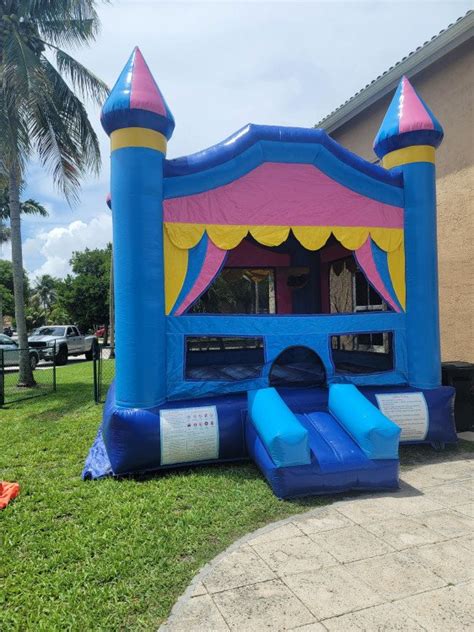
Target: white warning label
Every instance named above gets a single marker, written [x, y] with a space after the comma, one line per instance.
[407, 410]
[189, 434]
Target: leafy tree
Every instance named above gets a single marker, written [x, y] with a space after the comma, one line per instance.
[59, 314]
[6, 287]
[41, 112]
[84, 294]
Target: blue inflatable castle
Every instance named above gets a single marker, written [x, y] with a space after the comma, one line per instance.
[276, 299]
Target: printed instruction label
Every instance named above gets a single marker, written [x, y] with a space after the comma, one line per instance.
[189, 434]
[407, 410]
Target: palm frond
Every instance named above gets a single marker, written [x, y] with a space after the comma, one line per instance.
[57, 152]
[70, 33]
[38, 109]
[65, 22]
[78, 124]
[63, 135]
[82, 79]
[4, 234]
[15, 140]
[32, 207]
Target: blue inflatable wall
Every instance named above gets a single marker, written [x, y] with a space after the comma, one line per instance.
[176, 223]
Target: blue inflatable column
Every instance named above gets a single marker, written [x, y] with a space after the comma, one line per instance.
[139, 123]
[407, 140]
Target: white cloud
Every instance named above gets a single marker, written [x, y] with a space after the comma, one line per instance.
[56, 246]
[6, 251]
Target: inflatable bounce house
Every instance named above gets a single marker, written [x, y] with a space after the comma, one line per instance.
[276, 298]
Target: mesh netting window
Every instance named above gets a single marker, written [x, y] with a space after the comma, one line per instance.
[363, 353]
[227, 358]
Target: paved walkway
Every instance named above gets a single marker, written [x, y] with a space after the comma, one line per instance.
[400, 561]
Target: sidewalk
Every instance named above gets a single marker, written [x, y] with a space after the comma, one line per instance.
[400, 561]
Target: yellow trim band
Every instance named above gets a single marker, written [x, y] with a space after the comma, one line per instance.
[137, 137]
[229, 236]
[407, 155]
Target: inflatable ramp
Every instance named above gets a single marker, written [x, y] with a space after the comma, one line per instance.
[351, 447]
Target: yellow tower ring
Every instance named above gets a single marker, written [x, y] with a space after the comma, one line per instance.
[137, 137]
[416, 153]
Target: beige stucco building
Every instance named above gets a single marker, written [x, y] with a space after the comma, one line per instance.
[442, 72]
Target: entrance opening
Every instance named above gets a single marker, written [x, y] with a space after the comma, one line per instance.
[288, 279]
[297, 366]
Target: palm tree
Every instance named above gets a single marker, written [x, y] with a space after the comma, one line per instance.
[45, 292]
[4, 238]
[27, 207]
[40, 111]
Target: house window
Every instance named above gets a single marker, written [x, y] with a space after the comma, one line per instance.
[349, 290]
[365, 297]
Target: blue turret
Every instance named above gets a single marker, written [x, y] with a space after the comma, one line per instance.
[407, 140]
[139, 122]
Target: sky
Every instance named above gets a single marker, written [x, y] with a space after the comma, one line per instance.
[221, 65]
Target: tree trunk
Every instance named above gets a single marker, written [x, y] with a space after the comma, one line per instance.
[112, 308]
[26, 374]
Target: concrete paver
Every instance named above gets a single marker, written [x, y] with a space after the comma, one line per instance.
[311, 627]
[403, 533]
[265, 606]
[294, 555]
[466, 510]
[395, 575]
[449, 523]
[325, 519]
[240, 568]
[443, 610]
[447, 559]
[351, 544]
[332, 591]
[285, 532]
[395, 561]
[451, 494]
[377, 619]
[199, 614]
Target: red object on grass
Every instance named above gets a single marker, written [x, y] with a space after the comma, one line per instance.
[8, 491]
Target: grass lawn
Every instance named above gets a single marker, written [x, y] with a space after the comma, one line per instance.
[112, 555]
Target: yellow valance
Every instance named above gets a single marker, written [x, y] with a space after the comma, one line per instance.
[225, 236]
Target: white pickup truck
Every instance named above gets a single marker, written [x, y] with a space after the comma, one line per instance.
[64, 340]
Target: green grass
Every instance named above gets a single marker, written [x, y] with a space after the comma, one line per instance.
[13, 393]
[107, 555]
[112, 555]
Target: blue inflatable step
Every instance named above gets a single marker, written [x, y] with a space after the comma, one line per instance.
[338, 463]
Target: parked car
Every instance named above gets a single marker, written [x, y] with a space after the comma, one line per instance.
[64, 340]
[11, 353]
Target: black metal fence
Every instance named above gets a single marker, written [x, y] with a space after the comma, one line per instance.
[103, 371]
[11, 388]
